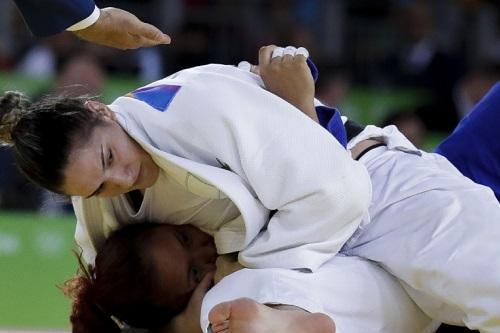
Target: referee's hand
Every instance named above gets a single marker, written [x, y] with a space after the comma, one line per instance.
[122, 30]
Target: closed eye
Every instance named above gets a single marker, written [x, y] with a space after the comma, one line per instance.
[184, 239]
[110, 157]
[196, 274]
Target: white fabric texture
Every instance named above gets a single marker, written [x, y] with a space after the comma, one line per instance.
[435, 230]
[357, 295]
[280, 160]
[86, 22]
[183, 206]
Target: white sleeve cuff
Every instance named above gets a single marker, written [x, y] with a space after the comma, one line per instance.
[86, 22]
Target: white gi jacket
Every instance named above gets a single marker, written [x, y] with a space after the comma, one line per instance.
[278, 159]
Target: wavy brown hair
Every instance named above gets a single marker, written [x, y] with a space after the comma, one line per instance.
[122, 286]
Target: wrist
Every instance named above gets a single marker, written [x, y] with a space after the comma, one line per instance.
[308, 109]
[87, 22]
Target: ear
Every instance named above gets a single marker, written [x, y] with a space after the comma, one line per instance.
[100, 108]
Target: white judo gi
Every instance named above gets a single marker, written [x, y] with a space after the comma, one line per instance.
[357, 295]
[219, 118]
[434, 229]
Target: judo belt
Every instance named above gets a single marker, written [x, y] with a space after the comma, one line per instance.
[352, 129]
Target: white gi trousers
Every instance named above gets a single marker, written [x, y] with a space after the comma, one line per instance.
[359, 296]
[435, 230]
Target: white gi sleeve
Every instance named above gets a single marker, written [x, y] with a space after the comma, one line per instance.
[291, 164]
[358, 295]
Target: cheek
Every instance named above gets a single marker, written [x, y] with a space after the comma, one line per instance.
[131, 151]
[181, 302]
[79, 179]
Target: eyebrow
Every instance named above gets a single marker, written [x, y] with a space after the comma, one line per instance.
[101, 187]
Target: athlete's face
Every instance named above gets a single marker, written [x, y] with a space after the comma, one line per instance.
[108, 162]
[181, 257]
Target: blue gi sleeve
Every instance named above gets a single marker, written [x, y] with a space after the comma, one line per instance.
[48, 17]
[330, 119]
[474, 146]
[313, 68]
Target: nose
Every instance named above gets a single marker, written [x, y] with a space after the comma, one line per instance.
[119, 182]
[205, 255]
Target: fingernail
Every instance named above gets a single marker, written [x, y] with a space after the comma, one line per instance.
[166, 39]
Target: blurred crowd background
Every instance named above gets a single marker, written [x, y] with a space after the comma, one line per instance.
[418, 64]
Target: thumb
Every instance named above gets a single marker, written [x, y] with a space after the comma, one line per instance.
[202, 288]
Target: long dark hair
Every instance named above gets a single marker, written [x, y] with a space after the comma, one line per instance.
[121, 287]
[41, 134]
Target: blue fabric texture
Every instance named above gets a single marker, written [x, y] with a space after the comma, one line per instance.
[48, 17]
[313, 68]
[330, 119]
[158, 97]
[474, 146]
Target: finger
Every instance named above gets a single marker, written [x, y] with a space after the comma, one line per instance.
[223, 325]
[302, 51]
[197, 297]
[206, 282]
[299, 59]
[223, 330]
[288, 54]
[255, 69]
[203, 286]
[277, 54]
[289, 50]
[152, 35]
[265, 54]
[245, 66]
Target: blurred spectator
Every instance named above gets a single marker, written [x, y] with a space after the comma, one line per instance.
[473, 86]
[43, 58]
[333, 85]
[6, 51]
[193, 46]
[422, 63]
[16, 192]
[82, 74]
[333, 88]
[487, 36]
